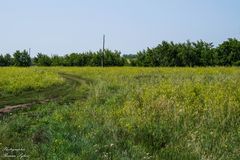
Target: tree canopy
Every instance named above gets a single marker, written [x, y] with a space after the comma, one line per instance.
[189, 54]
[22, 59]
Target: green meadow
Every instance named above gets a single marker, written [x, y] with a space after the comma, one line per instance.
[120, 113]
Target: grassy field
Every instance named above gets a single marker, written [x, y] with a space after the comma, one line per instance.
[121, 113]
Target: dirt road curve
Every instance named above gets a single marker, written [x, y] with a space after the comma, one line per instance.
[74, 80]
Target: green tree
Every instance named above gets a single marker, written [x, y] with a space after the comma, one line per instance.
[57, 60]
[205, 54]
[42, 60]
[8, 60]
[22, 59]
[228, 53]
[113, 58]
[2, 61]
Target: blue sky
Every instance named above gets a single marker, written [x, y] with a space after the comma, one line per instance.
[65, 26]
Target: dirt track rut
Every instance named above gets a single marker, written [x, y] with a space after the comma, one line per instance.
[74, 80]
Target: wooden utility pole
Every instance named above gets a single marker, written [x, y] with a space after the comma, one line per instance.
[29, 51]
[103, 51]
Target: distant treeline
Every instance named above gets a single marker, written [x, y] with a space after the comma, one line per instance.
[191, 54]
[22, 58]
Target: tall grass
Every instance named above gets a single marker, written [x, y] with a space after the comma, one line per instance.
[15, 80]
[136, 113]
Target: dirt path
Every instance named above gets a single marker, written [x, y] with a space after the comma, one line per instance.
[73, 80]
[9, 109]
